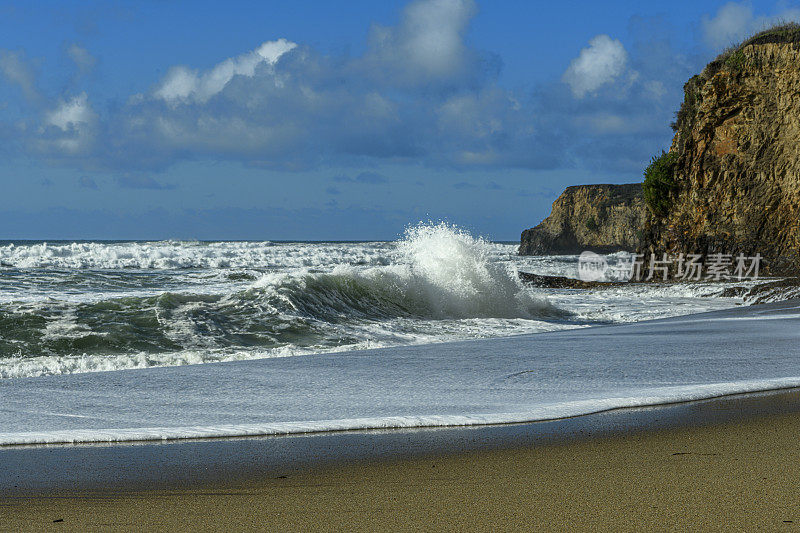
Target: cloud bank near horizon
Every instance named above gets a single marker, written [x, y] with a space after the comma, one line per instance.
[419, 93]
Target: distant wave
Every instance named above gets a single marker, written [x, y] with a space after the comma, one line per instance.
[187, 254]
[181, 255]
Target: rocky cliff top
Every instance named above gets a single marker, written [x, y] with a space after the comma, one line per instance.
[603, 218]
[733, 180]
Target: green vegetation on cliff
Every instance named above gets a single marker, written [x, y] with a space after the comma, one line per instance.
[729, 183]
[659, 183]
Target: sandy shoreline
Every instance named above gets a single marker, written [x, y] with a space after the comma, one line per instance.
[716, 464]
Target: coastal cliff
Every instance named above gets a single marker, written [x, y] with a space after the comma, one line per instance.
[731, 181]
[600, 218]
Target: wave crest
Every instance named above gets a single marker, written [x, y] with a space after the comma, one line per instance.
[438, 283]
[440, 272]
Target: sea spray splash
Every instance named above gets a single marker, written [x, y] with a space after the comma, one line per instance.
[460, 277]
[439, 272]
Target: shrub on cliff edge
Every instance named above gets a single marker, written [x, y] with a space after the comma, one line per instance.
[659, 183]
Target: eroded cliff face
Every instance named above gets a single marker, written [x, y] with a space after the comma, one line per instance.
[601, 218]
[737, 170]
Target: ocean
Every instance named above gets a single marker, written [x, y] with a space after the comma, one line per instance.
[118, 341]
[69, 307]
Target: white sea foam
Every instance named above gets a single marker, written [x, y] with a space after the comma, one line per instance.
[86, 307]
[644, 398]
[188, 255]
[512, 379]
[402, 334]
[647, 301]
[167, 255]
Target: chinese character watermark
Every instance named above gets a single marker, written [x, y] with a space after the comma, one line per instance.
[684, 267]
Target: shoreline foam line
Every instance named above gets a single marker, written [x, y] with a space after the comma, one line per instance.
[567, 410]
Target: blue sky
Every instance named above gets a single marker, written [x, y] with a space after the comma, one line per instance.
[323, 120]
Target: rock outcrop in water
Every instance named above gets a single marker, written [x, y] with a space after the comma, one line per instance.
[735, 158]
[600, 218]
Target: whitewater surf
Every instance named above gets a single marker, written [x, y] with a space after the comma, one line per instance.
[69, 307]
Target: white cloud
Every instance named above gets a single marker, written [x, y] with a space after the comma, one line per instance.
[183, 84]
[81, 57]
[14, 67]
[611, 123]
[428, 44]
[73, 123]
[735, 21]
[731, 24]
[420, 93]
[289, 113]
[602, 62]
[655, 89]
[475, 113]
[431, 34]
[71, 113]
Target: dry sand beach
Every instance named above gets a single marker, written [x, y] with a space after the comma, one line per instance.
[724, 464]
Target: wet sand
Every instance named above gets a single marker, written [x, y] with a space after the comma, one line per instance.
[726, 464]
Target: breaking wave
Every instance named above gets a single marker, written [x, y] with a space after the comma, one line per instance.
[440, 272]
[438, 283]
[82, 307]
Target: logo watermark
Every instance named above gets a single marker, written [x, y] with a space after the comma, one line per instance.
[684, 267]
[592, 267]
